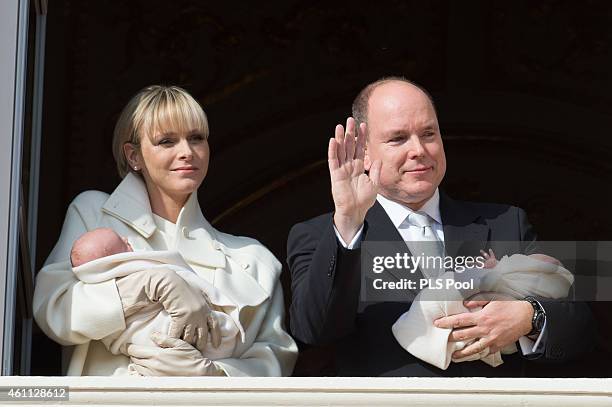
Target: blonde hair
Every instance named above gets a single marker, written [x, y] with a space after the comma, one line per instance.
[153, 110]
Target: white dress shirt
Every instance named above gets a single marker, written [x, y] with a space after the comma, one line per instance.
[398, 213]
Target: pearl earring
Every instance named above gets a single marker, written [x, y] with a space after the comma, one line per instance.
[135, 168]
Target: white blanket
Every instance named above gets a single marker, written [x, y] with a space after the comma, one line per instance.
[517, 276]
[154, 318]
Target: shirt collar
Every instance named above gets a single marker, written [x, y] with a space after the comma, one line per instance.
[398, 212]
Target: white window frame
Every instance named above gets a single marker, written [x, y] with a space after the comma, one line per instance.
[13, 47]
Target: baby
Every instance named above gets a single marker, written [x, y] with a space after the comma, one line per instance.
[516, 276]
[491, 261]
[97, 243]
[101, 254]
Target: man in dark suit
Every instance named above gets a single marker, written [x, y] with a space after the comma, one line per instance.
[385, 170]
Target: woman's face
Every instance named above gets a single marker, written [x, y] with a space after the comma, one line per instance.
[173, 163]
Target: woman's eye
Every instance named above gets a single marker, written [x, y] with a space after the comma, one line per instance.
[197, 137]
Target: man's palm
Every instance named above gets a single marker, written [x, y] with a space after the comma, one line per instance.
[353, 191]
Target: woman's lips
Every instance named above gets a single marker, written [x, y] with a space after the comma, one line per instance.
[185, 170]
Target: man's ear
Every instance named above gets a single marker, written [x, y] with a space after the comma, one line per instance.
[367, 163]
[131, 155]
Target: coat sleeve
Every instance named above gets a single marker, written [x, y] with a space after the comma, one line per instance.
[66, 309]
[325, 283]
[273, 352]
[570, 328]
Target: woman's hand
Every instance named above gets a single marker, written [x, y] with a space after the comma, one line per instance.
[174, 357]
[189, 309]
[353, 191]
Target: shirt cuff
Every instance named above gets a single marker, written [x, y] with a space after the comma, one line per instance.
[354, 244]
[529, 347]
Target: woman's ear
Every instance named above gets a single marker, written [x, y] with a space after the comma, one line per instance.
[132, 156]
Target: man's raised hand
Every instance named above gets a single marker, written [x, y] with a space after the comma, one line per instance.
[353, 191]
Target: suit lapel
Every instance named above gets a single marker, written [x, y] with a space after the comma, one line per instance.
[464, 229]
[380, 228]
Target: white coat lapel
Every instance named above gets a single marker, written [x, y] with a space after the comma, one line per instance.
[130, 203]
[198, 242]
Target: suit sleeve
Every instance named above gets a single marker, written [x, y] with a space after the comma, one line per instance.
[69, 311]
[325, 283]
[570, 327]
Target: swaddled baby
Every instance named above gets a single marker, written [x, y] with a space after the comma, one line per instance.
[518, 276]
[101, 254]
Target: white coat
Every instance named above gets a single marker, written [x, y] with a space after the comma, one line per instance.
[75, 313]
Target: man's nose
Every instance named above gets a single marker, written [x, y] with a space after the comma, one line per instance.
[415, 148]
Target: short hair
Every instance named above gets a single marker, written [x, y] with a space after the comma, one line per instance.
[360, 104]
[155, 108]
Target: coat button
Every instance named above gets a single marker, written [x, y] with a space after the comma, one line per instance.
[185, 232]
[245, 266]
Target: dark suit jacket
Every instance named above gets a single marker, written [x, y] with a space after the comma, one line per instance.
[326, 283]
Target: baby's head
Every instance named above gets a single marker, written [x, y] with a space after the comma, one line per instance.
[546, 259]
[97, 243]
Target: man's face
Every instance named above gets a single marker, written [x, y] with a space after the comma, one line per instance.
[403, 133]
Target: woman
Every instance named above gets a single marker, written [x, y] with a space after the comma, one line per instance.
[161, 149]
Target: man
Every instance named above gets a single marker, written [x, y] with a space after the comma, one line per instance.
[385, 168]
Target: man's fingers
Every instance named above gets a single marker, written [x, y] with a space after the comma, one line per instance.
[361, 142]
[340, 152]
[375, 172]
[349, 139]
[332, 155]
[349, 145]
[456, 321]
[464, 334]
[215, 331]
[475, 303]
[479, 346]
[350, 126]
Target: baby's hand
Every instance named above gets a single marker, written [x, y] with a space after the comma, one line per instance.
[490, 260]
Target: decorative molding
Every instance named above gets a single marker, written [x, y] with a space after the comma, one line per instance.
[100, 391]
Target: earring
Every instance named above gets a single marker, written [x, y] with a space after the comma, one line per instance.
[135, 168]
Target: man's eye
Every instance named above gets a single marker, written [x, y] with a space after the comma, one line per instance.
[429, 134]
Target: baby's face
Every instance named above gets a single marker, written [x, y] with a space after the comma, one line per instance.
[96, 244]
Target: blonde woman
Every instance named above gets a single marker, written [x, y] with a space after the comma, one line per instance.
[161, 148]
